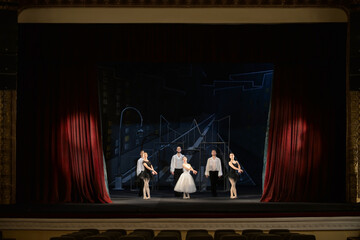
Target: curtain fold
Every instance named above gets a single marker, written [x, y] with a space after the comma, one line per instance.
[69, 165]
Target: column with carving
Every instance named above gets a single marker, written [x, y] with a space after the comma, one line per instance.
[8, 77]
[353, 162]
[353, 98]
[7, 146]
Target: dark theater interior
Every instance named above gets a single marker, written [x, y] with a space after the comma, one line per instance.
[179, 120]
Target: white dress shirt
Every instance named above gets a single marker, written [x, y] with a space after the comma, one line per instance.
[176, 162]
[139, 166]
[213, 164]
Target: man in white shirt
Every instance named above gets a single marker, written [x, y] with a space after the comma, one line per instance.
[139, 169]
[176, 167]
[214, 170]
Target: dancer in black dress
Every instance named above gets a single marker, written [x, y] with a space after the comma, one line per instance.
[233, 175]
[146, 175]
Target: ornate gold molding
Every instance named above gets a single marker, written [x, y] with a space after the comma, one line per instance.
[133, 15]
[348, 4]
[211, 224]
[353, 151]
[9, 5]
[7, 146]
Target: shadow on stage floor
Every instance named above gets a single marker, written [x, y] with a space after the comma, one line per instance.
[163, 204]
[168, 195]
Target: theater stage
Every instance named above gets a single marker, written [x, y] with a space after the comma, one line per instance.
[127, 204]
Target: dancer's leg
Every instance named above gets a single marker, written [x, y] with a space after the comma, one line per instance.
[144, 189]
[148, 188]
[231, 188]
[184, 195]
[234, 189]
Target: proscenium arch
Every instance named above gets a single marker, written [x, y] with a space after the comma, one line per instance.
[192, 15]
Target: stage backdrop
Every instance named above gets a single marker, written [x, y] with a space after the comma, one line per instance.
[59, 145]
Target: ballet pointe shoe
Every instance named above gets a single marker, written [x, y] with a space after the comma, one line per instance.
[186, 196]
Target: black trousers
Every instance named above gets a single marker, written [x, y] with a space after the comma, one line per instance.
[177, 173]
[213, 180]
[141, 186]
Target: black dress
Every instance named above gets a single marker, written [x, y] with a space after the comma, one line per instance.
[146, 174]
[233, 173]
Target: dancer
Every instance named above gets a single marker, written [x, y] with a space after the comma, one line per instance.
[146, 175]
[186, 183]
[213, 169]
[139, 169]
[233, 175]
[176, 167]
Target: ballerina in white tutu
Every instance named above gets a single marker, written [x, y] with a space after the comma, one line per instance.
[186, 183]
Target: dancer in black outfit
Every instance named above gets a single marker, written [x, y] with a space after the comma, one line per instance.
[146, 175]
[233, 175]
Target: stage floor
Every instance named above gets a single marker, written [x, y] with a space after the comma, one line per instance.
[163, 204]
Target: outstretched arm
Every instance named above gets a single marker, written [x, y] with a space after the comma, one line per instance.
[150, 168]
[240, 170]
[146, 166]
[185, 166]
[153, 170]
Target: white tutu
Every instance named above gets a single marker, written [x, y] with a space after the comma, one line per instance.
[185, 183]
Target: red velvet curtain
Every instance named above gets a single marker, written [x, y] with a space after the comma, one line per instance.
[60, 157]
[69, 156]
[304, 125]
[68, 166]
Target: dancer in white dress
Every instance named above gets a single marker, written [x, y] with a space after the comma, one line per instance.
[186, 183]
